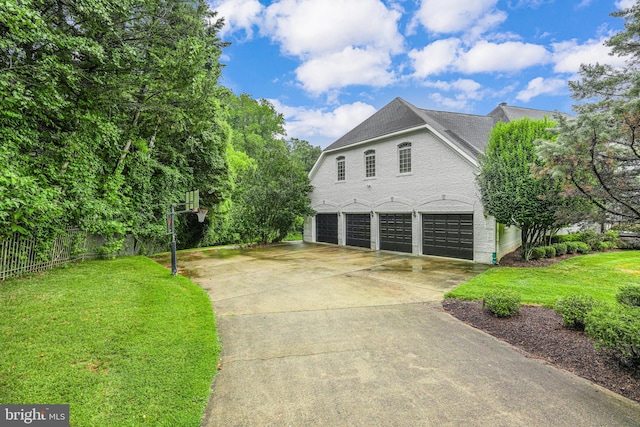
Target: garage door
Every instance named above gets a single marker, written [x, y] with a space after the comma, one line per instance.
[449, 235]
[359, 230]
[395, 232]
[327, 228]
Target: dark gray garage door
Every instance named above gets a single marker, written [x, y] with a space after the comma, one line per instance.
[359, 230]
[449, 235]
[327, 228]
[395, 232]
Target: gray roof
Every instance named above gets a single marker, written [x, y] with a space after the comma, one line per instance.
[469, 132]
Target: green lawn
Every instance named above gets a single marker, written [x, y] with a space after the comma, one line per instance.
[122, 341]
[598, 275]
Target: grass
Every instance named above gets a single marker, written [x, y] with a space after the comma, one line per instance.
[598, 275]
[122, 341]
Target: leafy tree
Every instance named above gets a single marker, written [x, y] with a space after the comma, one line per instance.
[598, 153]
[109, 112]
[303, 153]
[510, 190]
[271, 188]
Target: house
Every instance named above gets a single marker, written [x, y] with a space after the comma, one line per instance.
[404, 180]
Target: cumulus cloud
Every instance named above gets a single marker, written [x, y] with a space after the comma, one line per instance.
[454, 16]
[322, 125]
[509, 56]
[541, 86]
[434, 58]
[568, 55]
[351, 66]
[239, 15]
[309, 28]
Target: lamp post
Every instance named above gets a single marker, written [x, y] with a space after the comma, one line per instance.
[191, 205]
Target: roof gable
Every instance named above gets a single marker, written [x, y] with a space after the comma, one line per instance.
[395, 116]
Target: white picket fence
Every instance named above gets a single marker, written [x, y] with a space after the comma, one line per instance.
[21, 256]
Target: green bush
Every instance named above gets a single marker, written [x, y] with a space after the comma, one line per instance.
[582, 248]
[502, 303]
[611, 236]
[629, 295]
[538, 252]
[574, 310]
[604, 245]
[561, 248]
[572, 247]
[590, 237]
[617, 328]
[564, 238]
[549, 251]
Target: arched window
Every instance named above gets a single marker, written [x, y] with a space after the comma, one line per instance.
[404, 157]
[341, 168]
[370, 163]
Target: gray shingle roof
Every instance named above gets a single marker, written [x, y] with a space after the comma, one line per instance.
[469, 132]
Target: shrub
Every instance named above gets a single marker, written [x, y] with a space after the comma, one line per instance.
[603, 246]
[629, 295]
[617, 328]
[502, 303]
[590, 237]
[582, 248]
[561, 248]
[564, 238]
[549, 251]
[574, 310]
[572, 247]
[538, 252]
[611, 236]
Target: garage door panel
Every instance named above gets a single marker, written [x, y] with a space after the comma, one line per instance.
[327, 228]
[396, 232]
[359, 230]
[449, 235]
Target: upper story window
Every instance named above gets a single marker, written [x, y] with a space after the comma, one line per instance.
[404, 157]
[341, 168]
[370, 163]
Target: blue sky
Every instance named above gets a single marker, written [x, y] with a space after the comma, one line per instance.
[329, 64]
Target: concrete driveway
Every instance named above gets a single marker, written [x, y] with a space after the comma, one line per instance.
[320, 335]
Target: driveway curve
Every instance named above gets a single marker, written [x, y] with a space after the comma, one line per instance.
[322, 335]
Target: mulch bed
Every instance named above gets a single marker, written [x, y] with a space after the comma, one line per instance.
[538, 331]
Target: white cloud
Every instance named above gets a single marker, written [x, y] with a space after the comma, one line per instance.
[351, 66]
[239, 15]
[310, 27]
[509, 56]
[625, 4]
[320, 126]
[453, 16]
[434, 58]
[541, 86]
[568, 55]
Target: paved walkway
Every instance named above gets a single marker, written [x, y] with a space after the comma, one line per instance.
[317, 335]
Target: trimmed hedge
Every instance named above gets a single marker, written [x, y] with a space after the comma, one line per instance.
[574, 310]
[502, 303]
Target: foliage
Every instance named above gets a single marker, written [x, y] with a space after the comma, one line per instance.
[549, 251]
[510, 191]
[598, 275]
[109, 112]
[561, 248]
[502, 303]
[629, 295]
[271, 189]
[538, 252]
[596, 154]
[617, 328]
[303, 153]
[122, 341]
[574, 309]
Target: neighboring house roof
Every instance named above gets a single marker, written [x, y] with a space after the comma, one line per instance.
[469, 132]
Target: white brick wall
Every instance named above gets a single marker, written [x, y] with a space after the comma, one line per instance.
[441, 181]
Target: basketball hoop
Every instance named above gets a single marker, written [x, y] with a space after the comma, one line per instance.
[201, 214]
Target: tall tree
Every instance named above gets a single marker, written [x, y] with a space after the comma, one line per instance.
[598, 153]
[111, 108]
[303, 153]
[510, 190]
